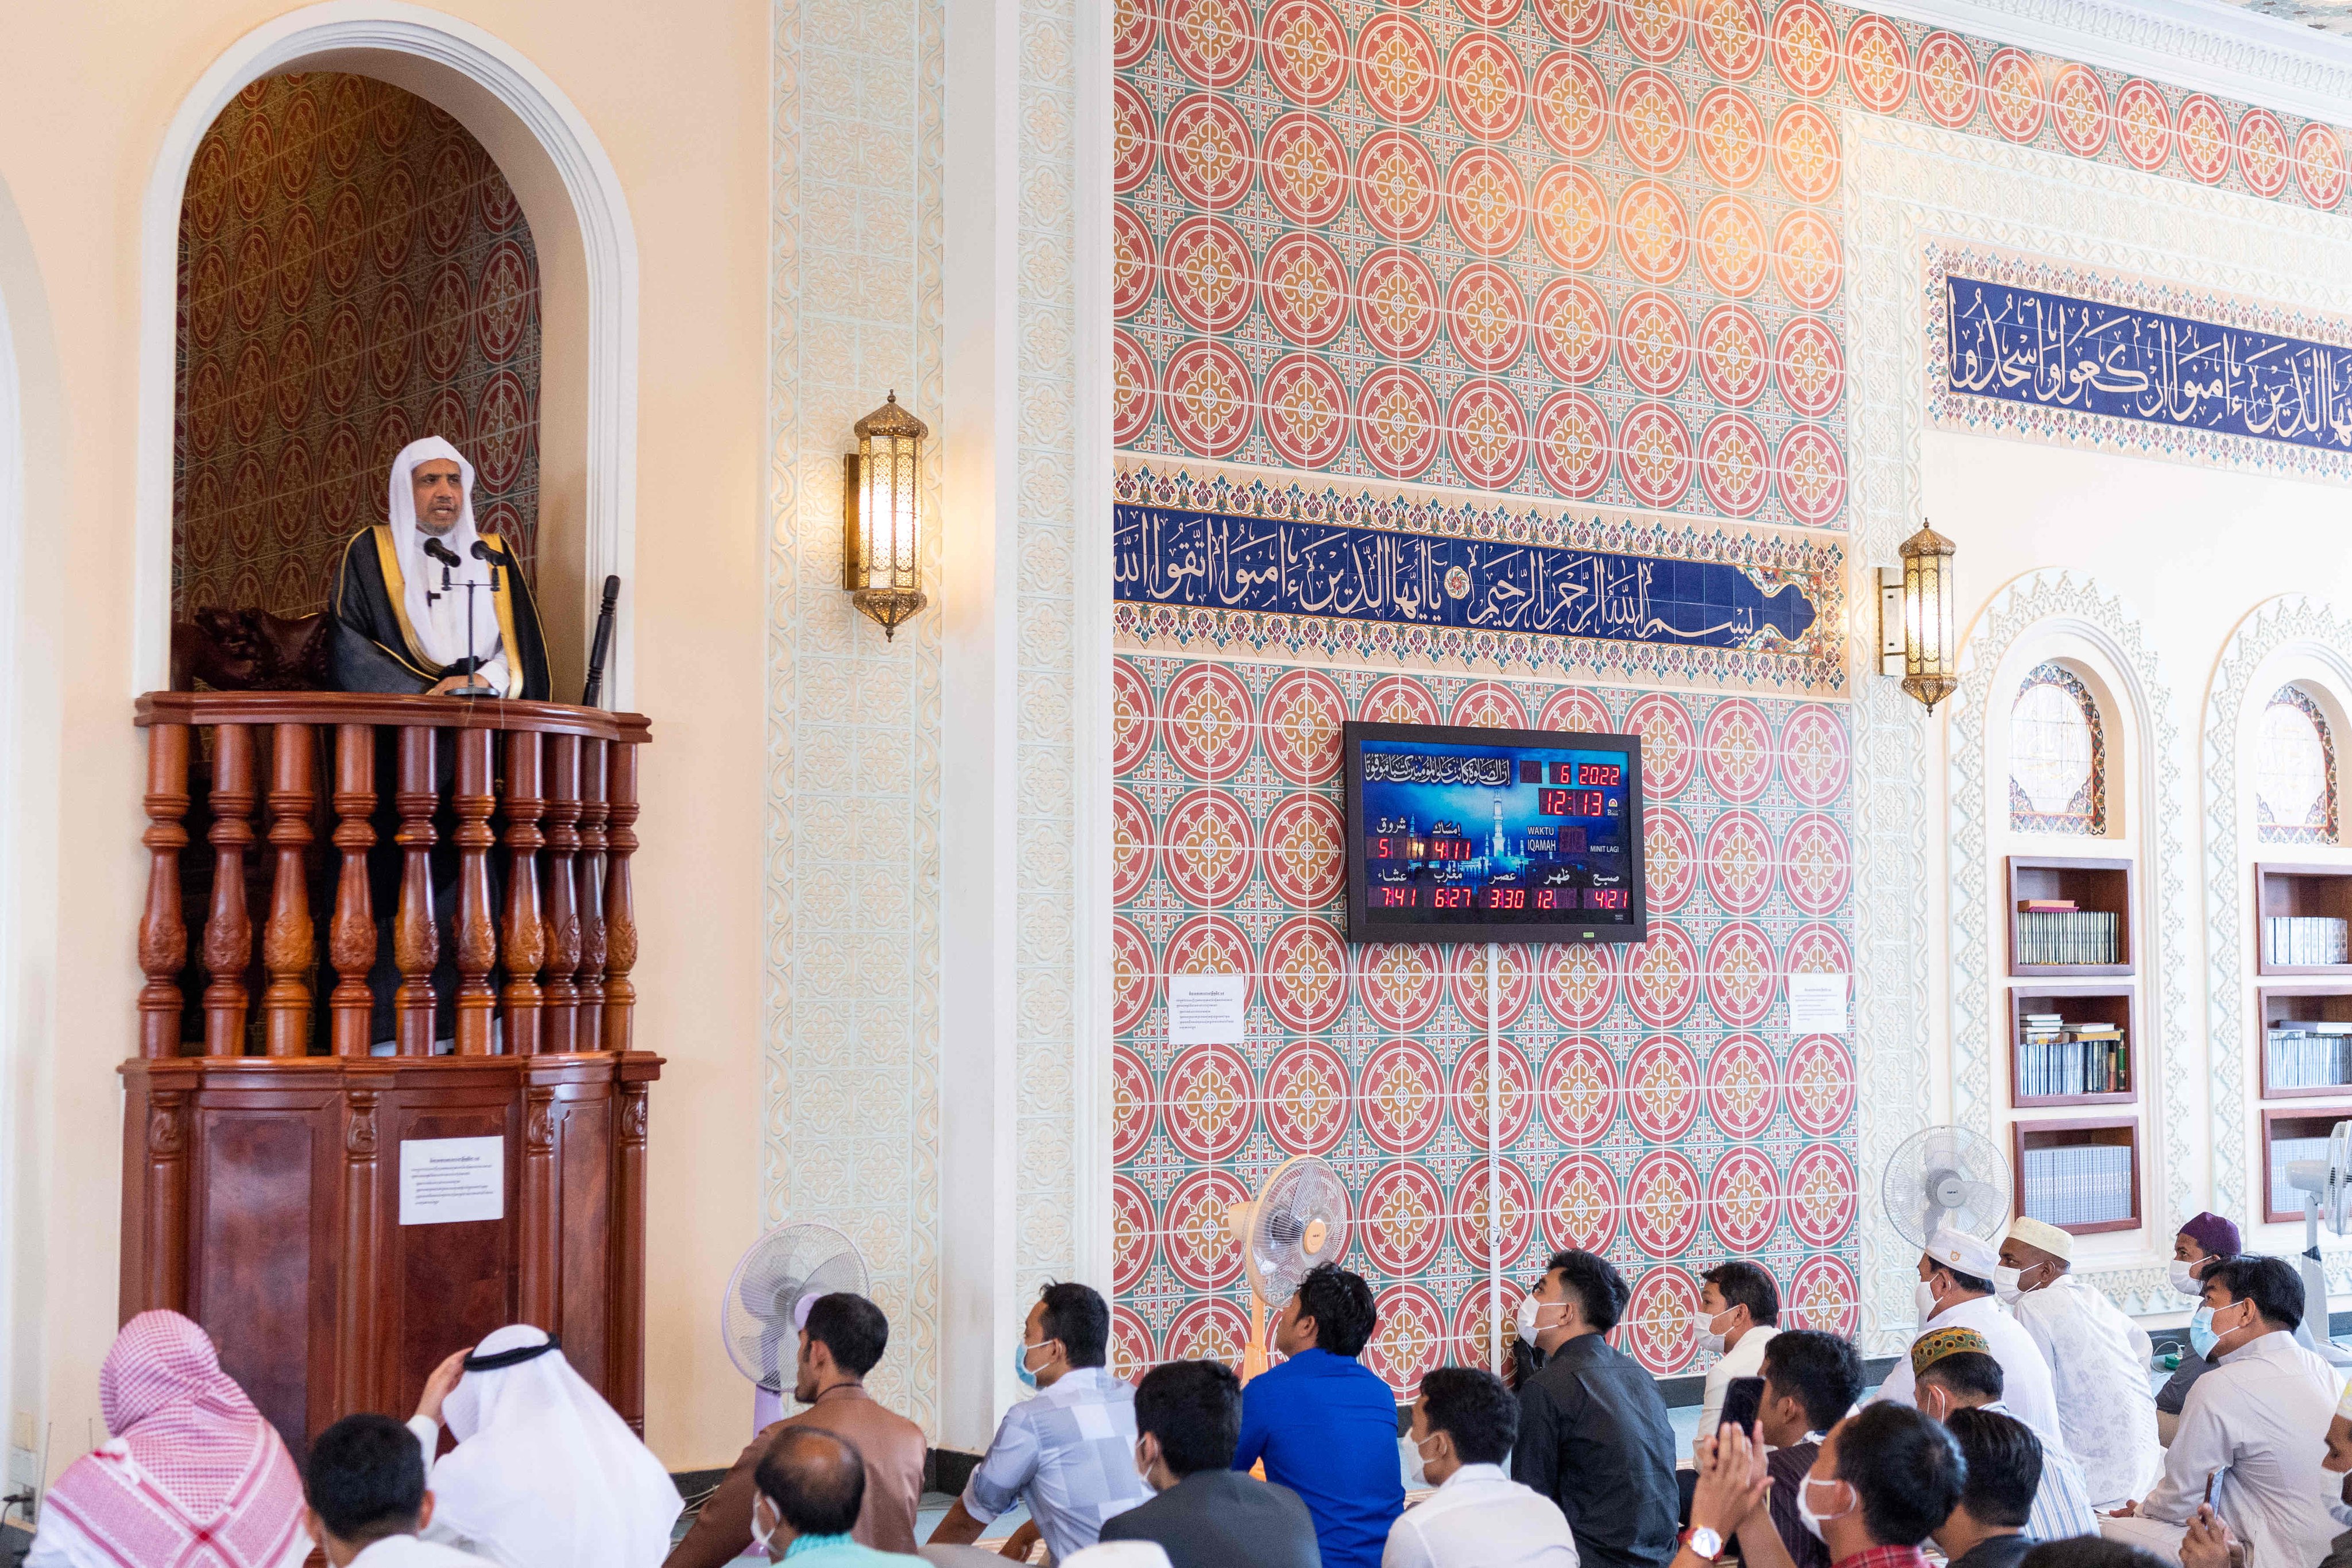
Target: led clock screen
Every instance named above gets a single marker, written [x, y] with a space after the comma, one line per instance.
[1493, 835]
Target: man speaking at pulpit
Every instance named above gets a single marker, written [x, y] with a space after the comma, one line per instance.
[426, 602]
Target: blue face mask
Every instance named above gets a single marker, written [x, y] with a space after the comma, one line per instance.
[1021, 1349]
[2200, 1333]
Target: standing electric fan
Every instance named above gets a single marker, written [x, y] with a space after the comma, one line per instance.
[1298, 1221]
[1946, 1176]
[767, 1304]
[2326, 1188]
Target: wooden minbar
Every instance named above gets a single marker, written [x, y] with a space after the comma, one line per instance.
[262, 1145]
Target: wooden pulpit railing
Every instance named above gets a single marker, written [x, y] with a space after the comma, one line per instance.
[265, 1137]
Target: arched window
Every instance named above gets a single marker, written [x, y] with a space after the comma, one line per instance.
[2295, 772]
[2057, 756]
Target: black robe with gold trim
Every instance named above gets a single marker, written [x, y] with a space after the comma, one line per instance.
[372, 648]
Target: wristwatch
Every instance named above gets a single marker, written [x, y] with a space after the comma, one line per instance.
[1703, 1542]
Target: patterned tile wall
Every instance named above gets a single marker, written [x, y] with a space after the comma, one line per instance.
[1583, 249]
[355, 273]
[1653, 1104]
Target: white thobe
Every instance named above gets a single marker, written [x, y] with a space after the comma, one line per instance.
[1481, 1518]
[448, 614]
[2098, 1368]
[1745, 1359]
[2025, 1376]
[408, 1551]
[2260, 1418]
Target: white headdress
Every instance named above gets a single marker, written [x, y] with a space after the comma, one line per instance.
[422, 574]
[544, 1474]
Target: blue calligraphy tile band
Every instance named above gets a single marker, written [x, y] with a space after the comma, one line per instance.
[2056, 354]
[1207, 561]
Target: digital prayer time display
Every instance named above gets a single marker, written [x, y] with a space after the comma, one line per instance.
[1493, 835]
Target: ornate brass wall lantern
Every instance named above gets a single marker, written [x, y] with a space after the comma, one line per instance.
[1917, 637]
[881, 516]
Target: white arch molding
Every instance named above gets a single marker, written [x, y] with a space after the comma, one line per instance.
[588, 291]
[2288, 625]
[2033, 605]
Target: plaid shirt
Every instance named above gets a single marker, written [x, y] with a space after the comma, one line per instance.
[1884, 1557]
[1070, 1451]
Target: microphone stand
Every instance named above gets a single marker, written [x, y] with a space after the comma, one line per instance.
[475, 686]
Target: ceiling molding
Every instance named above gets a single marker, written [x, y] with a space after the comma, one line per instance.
[2201, 44]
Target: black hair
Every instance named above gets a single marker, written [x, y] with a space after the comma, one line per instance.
[815, 1480]
[365, 1478]
[2089, 1552]
[852, 1328]
[1342, 1307]
[1905, 1471]
[2269, 1282]
[1966, 1371]
[2004, 1460]
[1195, 1408]
[1965, 1281]
[1822, 1371]
[1599, 1290]
[1077, 1316]
[1470, 1404]
[1743, 1284]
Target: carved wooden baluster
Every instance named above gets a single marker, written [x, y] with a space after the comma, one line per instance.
[590, 876]
[228, 931]
[162, 929]
[525, 944]
[478, 938]
[351, 939]
[416, 941]
[560, 1025]
[620, 897]
[289, 946]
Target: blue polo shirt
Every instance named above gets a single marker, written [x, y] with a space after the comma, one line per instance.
[1325, 1427]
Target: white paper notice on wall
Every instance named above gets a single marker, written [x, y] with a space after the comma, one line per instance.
[445, 1181]
[1817, 1004]
[1205, 1009]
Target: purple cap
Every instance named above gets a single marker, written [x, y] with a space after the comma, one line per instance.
[2214, 1234]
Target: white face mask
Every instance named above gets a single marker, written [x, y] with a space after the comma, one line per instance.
[1814, 1521]
[760, 1536]
[2006, 1284]
[1710, 1338]
[1531, 1324]
[1923, 1297]
[1416, 1473]
[2183, 1280]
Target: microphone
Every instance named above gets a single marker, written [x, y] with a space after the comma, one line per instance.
[441, 552]
[494, 559]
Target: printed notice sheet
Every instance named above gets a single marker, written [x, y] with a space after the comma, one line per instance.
[445, 1181]
[1205, 1009]
[1817, 1004]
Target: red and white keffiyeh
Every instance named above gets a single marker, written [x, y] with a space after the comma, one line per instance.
[193, 1477]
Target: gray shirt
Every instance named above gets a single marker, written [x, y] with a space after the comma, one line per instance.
[1223, 1518]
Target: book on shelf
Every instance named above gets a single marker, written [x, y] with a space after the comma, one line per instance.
[2306, 940]
[2044, 905]
[2079, 1184]
[2073, 936]
[2309, 1053]
[2058, 1060]
[2285, 1152]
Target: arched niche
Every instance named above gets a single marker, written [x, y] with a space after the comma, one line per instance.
[586, 253]
[356, 273]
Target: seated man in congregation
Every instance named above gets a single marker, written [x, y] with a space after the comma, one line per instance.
[841, 1339]
[1188, 1423]
[2251, 1429]
[403, 619]
[1324, 1423]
